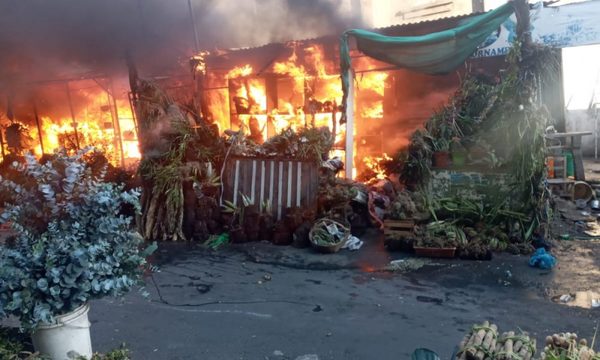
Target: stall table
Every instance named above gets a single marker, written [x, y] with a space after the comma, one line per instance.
[571, 141]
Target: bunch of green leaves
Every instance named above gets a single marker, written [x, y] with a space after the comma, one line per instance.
[452, 234]
[12, 347]
[323, 237]
[238, 211]
[417, 166]
[73, 244]
[120, 353]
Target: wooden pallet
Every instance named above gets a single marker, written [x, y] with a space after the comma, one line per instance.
[398, 227]
[5, 227]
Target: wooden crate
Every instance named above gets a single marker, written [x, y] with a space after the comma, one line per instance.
[398, 227]
[435, 252]
[6, 227]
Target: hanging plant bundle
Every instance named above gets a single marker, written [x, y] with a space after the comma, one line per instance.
[165, 135]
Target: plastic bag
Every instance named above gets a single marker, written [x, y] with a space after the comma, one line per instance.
[424, 354]
[542, 259]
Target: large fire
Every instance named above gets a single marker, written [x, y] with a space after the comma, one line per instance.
[307, 92]
[95, 120]
[301, 89]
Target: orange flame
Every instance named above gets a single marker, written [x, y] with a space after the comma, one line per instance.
[240, 71]
[373, 163]
[308, 93]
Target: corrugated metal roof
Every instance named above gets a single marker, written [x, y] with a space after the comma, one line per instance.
[390, 28]
[445, 18]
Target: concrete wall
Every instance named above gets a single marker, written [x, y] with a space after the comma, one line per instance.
[581, 76]
[582, 120]
[382, 13]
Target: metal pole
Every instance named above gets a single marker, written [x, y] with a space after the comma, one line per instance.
[350, 126]
[74, 123]
[2, 144]
[334, 121]
[193, 17]
[37, 122]
[595, 133]
[116, 124]
[130, 96]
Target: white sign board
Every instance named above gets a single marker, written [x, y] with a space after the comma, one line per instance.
[561, 26]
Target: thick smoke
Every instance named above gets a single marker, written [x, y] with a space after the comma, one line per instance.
[42, 39]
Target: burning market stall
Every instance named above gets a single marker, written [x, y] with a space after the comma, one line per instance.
[273, 119]
[267, 89]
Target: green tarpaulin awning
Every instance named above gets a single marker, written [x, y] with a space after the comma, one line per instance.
[435, 53]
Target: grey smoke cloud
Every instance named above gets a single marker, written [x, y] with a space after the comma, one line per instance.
[44, 39]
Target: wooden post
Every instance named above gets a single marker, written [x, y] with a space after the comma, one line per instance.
[193, 18]
[523, 22]
[39, 127]
[350, 126]
[74, 124]
[116, 124]
[2, 145]
[334, 120]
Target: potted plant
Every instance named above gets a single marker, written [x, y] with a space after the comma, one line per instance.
[211, 186]
[237, 231]
[72, 244]
[441, 156]
[458, 152]
[281, 233]
[252, 225]
[266, 221]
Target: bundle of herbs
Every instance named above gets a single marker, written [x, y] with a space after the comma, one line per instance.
[308, 143]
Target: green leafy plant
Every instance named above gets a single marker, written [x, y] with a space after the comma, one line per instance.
[440, 234]
[238, 211]
[440, 144]
[73, 243]
[120, 353]
[12, 347]
[266, 207]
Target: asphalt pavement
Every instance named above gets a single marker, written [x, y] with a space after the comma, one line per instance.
[260, 301]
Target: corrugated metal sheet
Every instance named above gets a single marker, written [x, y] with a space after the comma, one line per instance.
[284, 182]
[397, 30]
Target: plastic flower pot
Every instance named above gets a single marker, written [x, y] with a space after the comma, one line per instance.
[441, 159]
[70, 335]
[435, 252]
[459, 158]
[237, 235]
[266, 227]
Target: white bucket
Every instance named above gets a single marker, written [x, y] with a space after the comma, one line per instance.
[69, 335]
